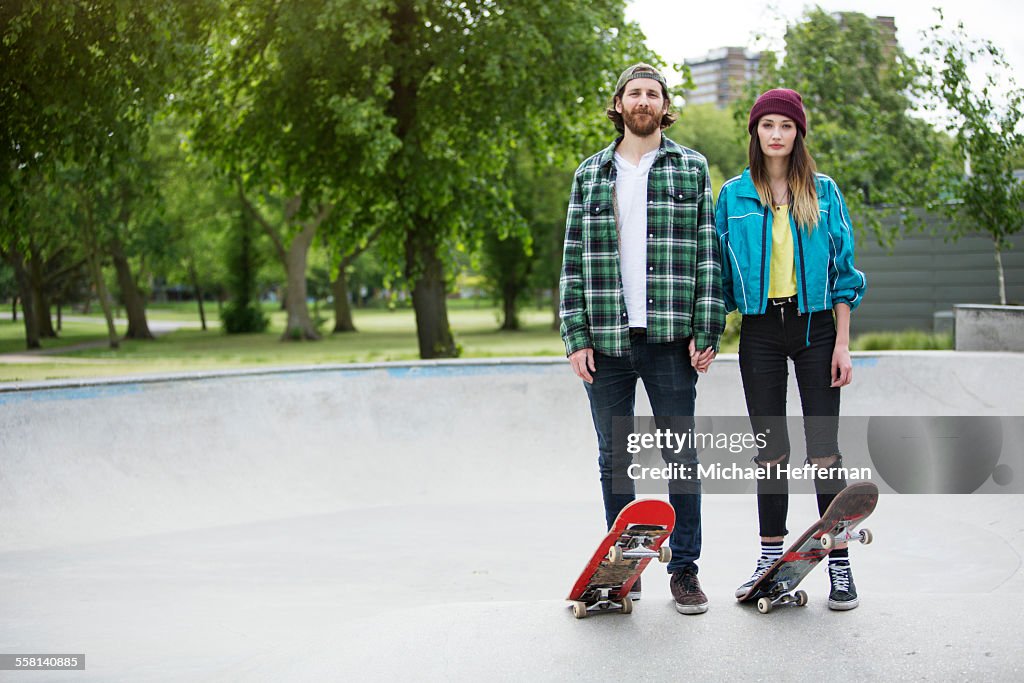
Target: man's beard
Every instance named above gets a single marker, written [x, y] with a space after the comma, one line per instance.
[641, 122]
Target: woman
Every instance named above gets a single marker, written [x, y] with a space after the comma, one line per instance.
[787, 253]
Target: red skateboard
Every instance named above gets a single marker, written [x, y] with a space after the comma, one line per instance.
[847, 510]
[633, 541]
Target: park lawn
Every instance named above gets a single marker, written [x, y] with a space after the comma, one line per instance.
[383, 336]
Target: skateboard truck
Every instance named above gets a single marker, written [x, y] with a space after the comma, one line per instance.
[829, 541]
[765, 604]
[617, 554]
[602, 601]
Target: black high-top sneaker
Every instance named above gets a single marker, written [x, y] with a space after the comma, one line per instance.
[844, 592]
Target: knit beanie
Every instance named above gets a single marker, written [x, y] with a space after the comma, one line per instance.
[781, 101]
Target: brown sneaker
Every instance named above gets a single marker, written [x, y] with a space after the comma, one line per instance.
[690, 599]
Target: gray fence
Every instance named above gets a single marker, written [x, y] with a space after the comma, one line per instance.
[915, 285]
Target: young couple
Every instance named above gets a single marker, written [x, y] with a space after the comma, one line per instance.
[650, 269]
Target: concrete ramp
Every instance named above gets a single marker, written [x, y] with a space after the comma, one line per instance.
[425, 520]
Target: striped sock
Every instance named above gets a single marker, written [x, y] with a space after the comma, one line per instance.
[771, 551]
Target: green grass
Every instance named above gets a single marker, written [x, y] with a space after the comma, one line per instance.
[902, 341]
[383, 336]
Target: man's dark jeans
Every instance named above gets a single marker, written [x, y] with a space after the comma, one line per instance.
[671, 383]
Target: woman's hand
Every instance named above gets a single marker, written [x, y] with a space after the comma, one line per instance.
[842, 366]
[701, 361]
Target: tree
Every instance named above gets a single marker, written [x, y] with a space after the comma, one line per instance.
[989, 141]
[78, 83]
[515, 264]
[200, 212]
[859, 93]
[345, 253]
[291, 109]
[8, 289]
[715, 133]
[470, 83]
[44, 255]
[243, 313]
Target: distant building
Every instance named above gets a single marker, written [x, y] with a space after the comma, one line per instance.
[886, 30]
[719, 77]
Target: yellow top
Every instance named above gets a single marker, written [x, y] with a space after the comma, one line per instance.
[782, 278]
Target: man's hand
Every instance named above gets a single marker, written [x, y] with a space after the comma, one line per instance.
[701, 361]
[582, 363]
[842, 366]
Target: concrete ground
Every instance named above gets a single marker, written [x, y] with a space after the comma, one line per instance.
[426, 521]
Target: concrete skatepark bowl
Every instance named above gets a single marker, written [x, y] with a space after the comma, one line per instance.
[425, 521]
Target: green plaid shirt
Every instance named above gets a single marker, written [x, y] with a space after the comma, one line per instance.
[684, 277]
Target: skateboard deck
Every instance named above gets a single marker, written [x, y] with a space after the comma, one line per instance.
[634, 540]
[847, 510]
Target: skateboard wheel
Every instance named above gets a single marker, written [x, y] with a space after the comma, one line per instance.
[664, 553]
[866, 536]
[615, 554]
[801, 598]
[579, 609]
[764, 605]
[828, 541]
[627, 605]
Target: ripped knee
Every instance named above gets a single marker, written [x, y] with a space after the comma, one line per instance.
[826, 462]
[772, 466]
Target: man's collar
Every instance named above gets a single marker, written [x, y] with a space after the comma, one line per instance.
[666, 147]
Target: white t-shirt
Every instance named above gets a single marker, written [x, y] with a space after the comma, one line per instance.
[631, 197]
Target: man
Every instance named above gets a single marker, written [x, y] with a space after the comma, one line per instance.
[641, 296]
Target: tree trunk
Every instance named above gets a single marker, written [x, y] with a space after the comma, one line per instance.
[96, 270]
[134, 303]
[342, 307]
[299, 325]
[40, 302]
[198, 291]
[426, 271]
[104, 297]
[1001, 275]
[41, 305]
[14, 309]
[60, 317]
[29, 317]
[508, 296]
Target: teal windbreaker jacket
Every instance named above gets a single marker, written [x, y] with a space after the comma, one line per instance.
[825, 272]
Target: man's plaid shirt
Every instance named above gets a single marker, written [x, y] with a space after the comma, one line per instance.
[684, 276]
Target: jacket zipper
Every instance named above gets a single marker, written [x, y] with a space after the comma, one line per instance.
[803, 273]
[764, 250]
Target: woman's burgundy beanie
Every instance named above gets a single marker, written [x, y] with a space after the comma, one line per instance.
[782, 101]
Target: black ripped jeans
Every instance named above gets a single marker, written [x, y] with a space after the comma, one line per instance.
[766, 342]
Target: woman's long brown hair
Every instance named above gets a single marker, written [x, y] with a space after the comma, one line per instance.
[801, 178]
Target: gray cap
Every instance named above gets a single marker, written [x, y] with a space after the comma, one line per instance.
[640, 70]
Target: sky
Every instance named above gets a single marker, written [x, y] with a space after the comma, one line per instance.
[685, 29]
